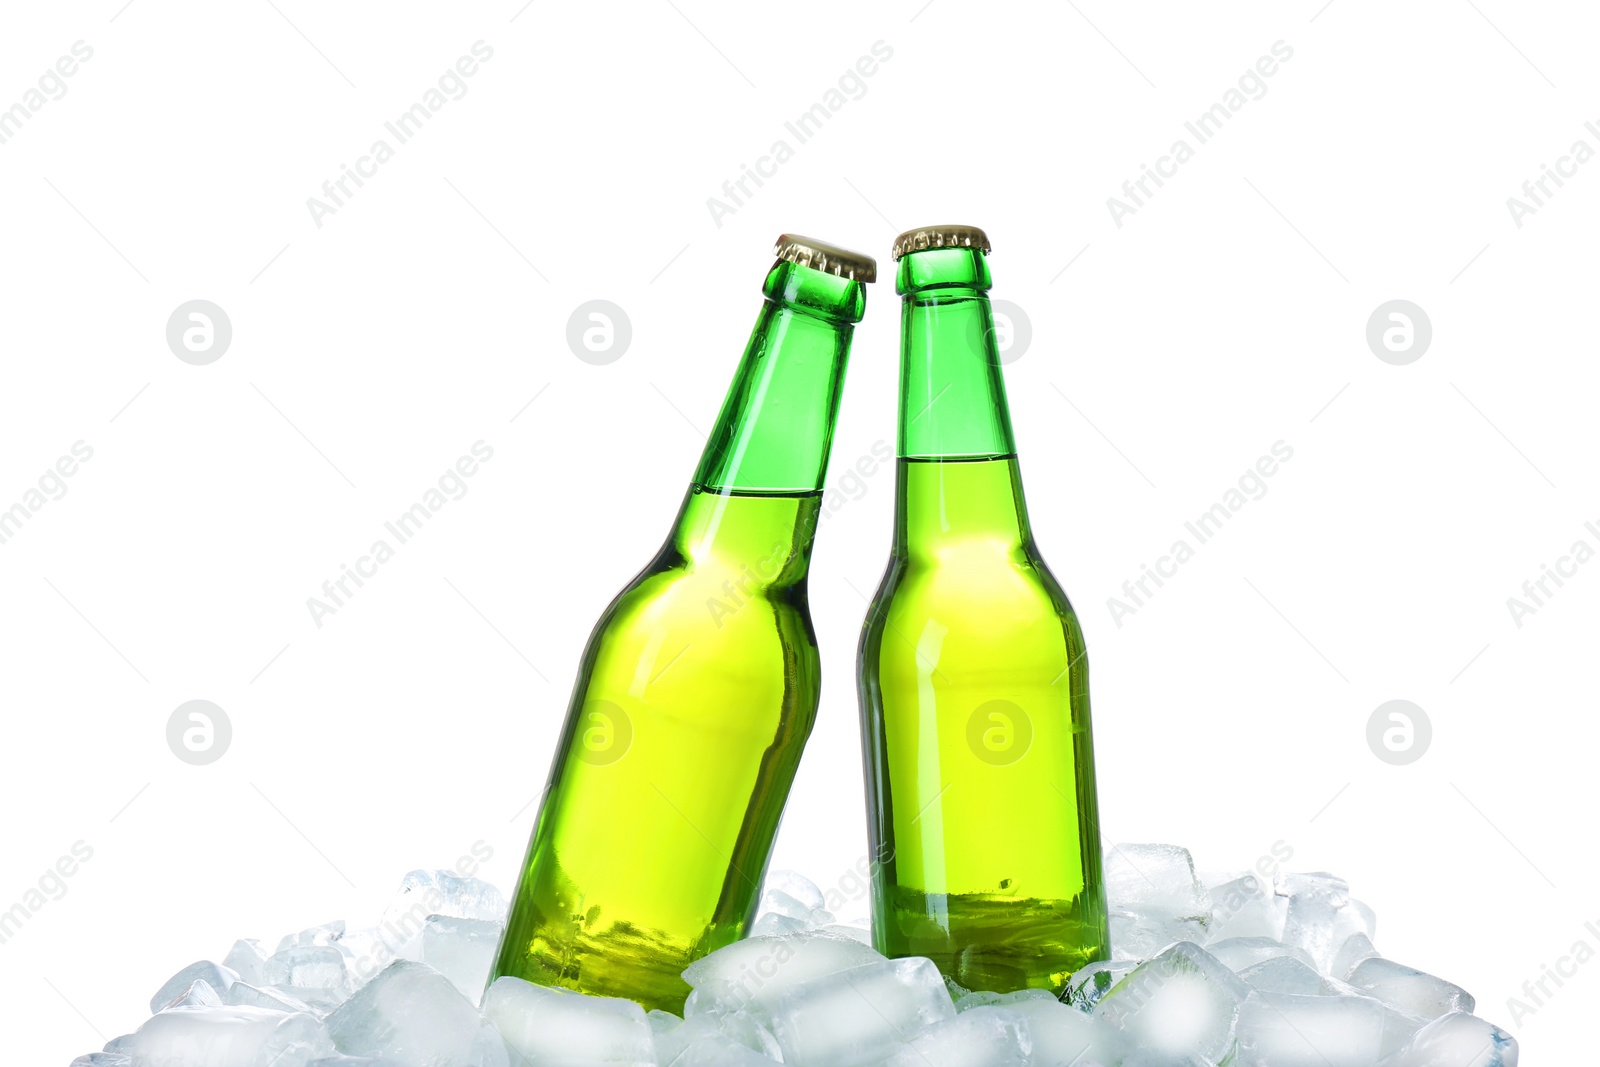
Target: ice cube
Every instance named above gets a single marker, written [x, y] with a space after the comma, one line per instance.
[1399, 1027]
[1149, 1058]
[315, 974]
[1063, 1035]
[853, 931]
[1358, 918]
[1094, 980]
[666, 1035]
[740, 1027]
[1284, 1030]
[425, 893]
[1153, 899]
[326, 934]
[789, 904]
[225, 1036]
[1354, 919]
[1457, 1040]
[1154, 876]
[1241, 952]
[757, 970]
[796, 887]
[715, 1052]
[1281, 974]
[776, 900]
[354, 1061]
[1182, 1002]
[412, 1013]
[544, 1025]
[103, 1059]
[198, 995]
[246, 995]
[981, 1036]
[859, 1016]
[463, 950]
[1409, 989]
[1356, 947]
[214, 975]
[1247, 907]
[984, 999]
[367, 951]
[248, 961]
[1322, 916]
[448, 893]
[776, 924]
[715, 996]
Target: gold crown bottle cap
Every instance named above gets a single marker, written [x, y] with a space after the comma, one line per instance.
[920, 240]
[831, 259]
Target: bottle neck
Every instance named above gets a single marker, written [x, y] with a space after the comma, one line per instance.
[952, 397]
[959, 484]
[757, 491]
[776, 426]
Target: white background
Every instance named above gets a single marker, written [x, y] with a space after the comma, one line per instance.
[370, 352]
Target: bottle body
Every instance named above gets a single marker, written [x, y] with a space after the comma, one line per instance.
[696, 692]
[973, 680]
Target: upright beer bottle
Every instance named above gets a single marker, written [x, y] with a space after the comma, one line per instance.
[973, 684]
[699, 685]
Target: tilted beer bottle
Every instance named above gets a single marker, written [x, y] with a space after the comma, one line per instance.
[699, 685]
[973, 684]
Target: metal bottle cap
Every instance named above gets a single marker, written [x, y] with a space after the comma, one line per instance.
[831, 259]
[920, 240]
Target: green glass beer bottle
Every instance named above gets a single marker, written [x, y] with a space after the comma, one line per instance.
[699, 685]
[973, 683]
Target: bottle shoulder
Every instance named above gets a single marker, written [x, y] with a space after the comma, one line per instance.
[679, 599]
[974, 589]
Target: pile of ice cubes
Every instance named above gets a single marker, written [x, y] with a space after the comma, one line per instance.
[1235, 970]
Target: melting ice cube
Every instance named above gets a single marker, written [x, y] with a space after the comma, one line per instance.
[1153, 899]
[755, 972]
[1182, 1002]
[463, 950]
[1247, 907]
[1094, 980]
[1062, 1034]
[412, 1013]
[542, 1026]
[1285, 1030]
[1241, 952]
[983, 1036]
[225, 1037]
[1409, 989]
[1459, 1040]
[859, 1016]
[214, 975]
